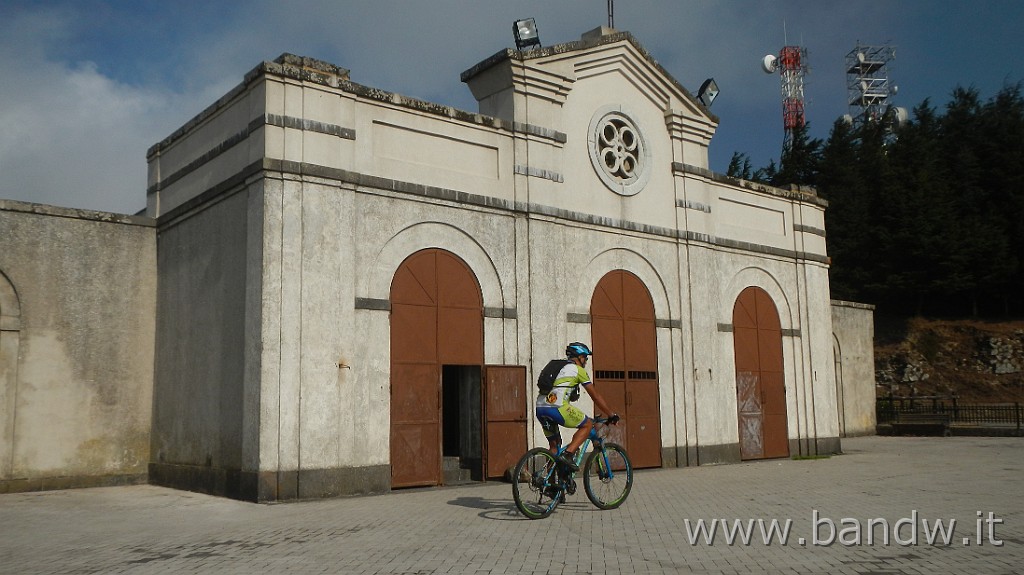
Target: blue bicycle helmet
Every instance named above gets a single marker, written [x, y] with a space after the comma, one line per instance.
[576, 349]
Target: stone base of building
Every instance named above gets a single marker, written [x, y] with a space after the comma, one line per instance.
[810, 447]
[27, 485]
[271, 486]
[829, 446]
[716, 454]
[730, 452]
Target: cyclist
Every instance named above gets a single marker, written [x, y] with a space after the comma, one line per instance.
[555, 408]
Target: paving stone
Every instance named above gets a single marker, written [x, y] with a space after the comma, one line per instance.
[476, 529]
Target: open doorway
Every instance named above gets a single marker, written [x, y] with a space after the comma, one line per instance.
[436, 321]
[461, 420]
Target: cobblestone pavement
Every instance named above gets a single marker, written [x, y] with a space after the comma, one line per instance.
[910, 483]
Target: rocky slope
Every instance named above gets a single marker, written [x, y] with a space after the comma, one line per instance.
[978, 361]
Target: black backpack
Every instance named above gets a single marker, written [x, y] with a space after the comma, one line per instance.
[546, 380]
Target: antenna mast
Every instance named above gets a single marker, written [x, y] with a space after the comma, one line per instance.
[868, 88]
[611, 14]
[793, 68]
[791, 64]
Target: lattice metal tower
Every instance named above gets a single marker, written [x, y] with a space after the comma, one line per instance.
[791, 64]
[868, 87]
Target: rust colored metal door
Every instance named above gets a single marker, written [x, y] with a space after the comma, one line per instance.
[436, 318]
[760, 382]
[626, 363]
[505, 411]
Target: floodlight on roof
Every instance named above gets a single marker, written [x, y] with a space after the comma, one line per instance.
[708, 92]
[525, 32]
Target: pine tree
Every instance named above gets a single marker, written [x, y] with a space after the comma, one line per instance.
[926, 219]
[799, 161]
[980, 255]
[849, 213]
[739, 166]
[915, 216]
[1002, 123]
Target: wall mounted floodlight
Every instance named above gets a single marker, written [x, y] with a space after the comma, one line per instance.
[708, 92]
[526, 33]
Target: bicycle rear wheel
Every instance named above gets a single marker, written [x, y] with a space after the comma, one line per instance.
[608, 476]
[535, 485]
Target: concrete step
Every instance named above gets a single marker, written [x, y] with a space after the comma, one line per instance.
[453, 473]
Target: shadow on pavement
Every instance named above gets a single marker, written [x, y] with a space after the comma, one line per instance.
[505, 509]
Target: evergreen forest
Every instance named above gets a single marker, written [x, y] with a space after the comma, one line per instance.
[924, 218]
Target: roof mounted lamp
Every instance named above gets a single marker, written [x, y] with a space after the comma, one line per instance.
[526, 33]
[708, 92]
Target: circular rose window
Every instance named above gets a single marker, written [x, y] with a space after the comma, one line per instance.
[618, 151]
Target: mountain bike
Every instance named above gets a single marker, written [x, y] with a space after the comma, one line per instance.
[540, 482]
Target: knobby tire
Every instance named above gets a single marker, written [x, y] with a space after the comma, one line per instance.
[535, 485]
[608, 488]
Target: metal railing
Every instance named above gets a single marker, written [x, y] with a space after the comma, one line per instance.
[888, 410]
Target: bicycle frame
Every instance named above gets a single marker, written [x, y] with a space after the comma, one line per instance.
[581, 454]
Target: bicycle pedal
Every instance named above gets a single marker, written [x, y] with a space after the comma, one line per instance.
[571, 487]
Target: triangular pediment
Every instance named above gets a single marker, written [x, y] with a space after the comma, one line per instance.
[601, 52]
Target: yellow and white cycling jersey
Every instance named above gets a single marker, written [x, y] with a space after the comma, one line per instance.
[570, 376]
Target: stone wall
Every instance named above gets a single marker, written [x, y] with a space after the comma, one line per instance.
[853, 338]
[77, 297]
[199, 396]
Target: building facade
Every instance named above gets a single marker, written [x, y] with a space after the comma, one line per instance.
[356, 289]
[351, 278]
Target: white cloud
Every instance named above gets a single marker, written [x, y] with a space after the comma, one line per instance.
[72, 137]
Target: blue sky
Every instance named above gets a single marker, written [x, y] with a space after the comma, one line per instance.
[87, 86]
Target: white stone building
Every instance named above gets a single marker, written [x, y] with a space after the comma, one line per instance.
[356, 286]
[354, 290]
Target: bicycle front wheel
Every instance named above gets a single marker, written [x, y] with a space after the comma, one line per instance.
[535, 485]
[608, 476]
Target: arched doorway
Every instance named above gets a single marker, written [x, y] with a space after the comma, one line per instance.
[837, 358]
[10, 326]
[626, 362]
[760, 384]
[436, 362]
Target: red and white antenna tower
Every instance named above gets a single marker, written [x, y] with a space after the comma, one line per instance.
[791, 64]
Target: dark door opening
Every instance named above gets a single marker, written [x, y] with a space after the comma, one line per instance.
[461, 423]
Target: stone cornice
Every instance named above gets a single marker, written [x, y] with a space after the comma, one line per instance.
[328, 75]
[368, 184]
[74, 213]
[796, 193]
